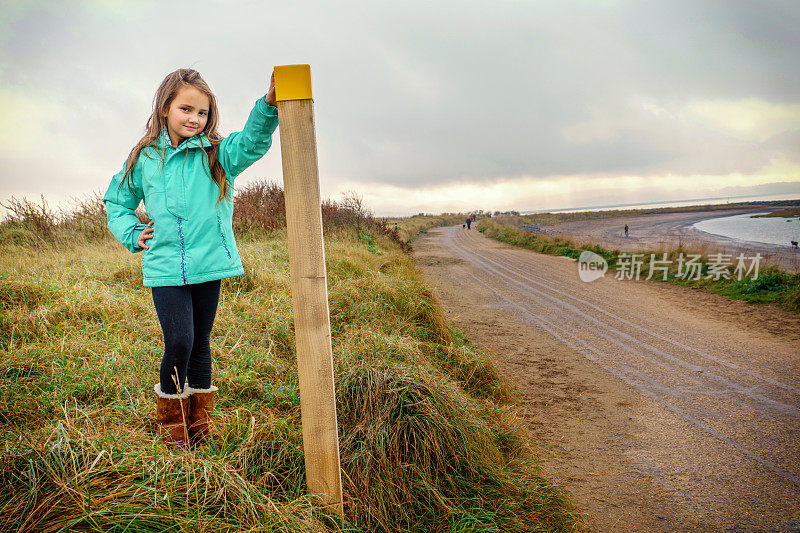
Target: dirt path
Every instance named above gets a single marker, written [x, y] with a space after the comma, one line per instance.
[669, 230]
[660, 408]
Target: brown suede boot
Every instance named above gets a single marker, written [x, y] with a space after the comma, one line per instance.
[172, 416]
[201, 405]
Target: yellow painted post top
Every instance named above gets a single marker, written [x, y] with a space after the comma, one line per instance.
[293, 82]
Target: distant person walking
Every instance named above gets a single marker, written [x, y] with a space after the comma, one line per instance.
[626, 230]
[469, 221]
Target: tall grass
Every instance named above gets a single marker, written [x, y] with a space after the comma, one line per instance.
[36, 225]
[541, 243]
[259, 210]
[429, 438]
[421, 459]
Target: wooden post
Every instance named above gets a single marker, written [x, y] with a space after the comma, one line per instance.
[309, 282]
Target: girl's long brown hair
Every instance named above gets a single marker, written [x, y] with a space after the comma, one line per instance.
[164, 96]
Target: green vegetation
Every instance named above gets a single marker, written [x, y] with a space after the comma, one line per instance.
[772, 286]
[429, 438]
[409, 228]
[538, 242]
[782, 213]
[557, 218]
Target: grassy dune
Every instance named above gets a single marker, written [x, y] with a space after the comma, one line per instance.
[773, 286]
[429, 437]
[559, 217]
[409, 228]
[782, 213]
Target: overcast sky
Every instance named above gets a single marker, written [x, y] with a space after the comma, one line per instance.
[425, 106]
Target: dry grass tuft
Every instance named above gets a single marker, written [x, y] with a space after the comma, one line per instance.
[429, 443]
[420, 457]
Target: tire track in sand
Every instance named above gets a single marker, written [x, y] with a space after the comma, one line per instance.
[718, 390]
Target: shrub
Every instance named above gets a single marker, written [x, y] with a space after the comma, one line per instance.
[259, 210]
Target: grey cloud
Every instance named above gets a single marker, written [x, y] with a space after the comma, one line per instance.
[424, 93]
[515, 79]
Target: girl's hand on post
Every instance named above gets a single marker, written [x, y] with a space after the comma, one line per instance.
[147, 233]
[271, 93]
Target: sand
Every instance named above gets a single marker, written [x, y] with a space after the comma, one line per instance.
[658, 407]
[663, 232]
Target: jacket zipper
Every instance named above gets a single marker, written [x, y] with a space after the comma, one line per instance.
[222, 234]
[183, 252]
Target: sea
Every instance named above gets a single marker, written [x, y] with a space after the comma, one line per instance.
[770, 230]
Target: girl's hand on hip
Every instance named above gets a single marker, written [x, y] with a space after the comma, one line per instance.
[271, 93]
[147, 233]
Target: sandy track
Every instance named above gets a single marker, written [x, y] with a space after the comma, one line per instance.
[666, 231]
[661, 408]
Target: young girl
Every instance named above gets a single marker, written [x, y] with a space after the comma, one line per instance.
[184, 172]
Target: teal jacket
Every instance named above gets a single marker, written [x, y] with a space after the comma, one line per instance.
[193, 237]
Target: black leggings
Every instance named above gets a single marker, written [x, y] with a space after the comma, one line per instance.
[186, 314]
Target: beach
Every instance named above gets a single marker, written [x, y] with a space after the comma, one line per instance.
[667, 231]
[660, 408]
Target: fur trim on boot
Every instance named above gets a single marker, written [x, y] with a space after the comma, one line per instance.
[201, 405]
[172, 416]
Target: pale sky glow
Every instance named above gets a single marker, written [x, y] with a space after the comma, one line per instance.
[571, 191]
[426, 106]
[747, 119]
